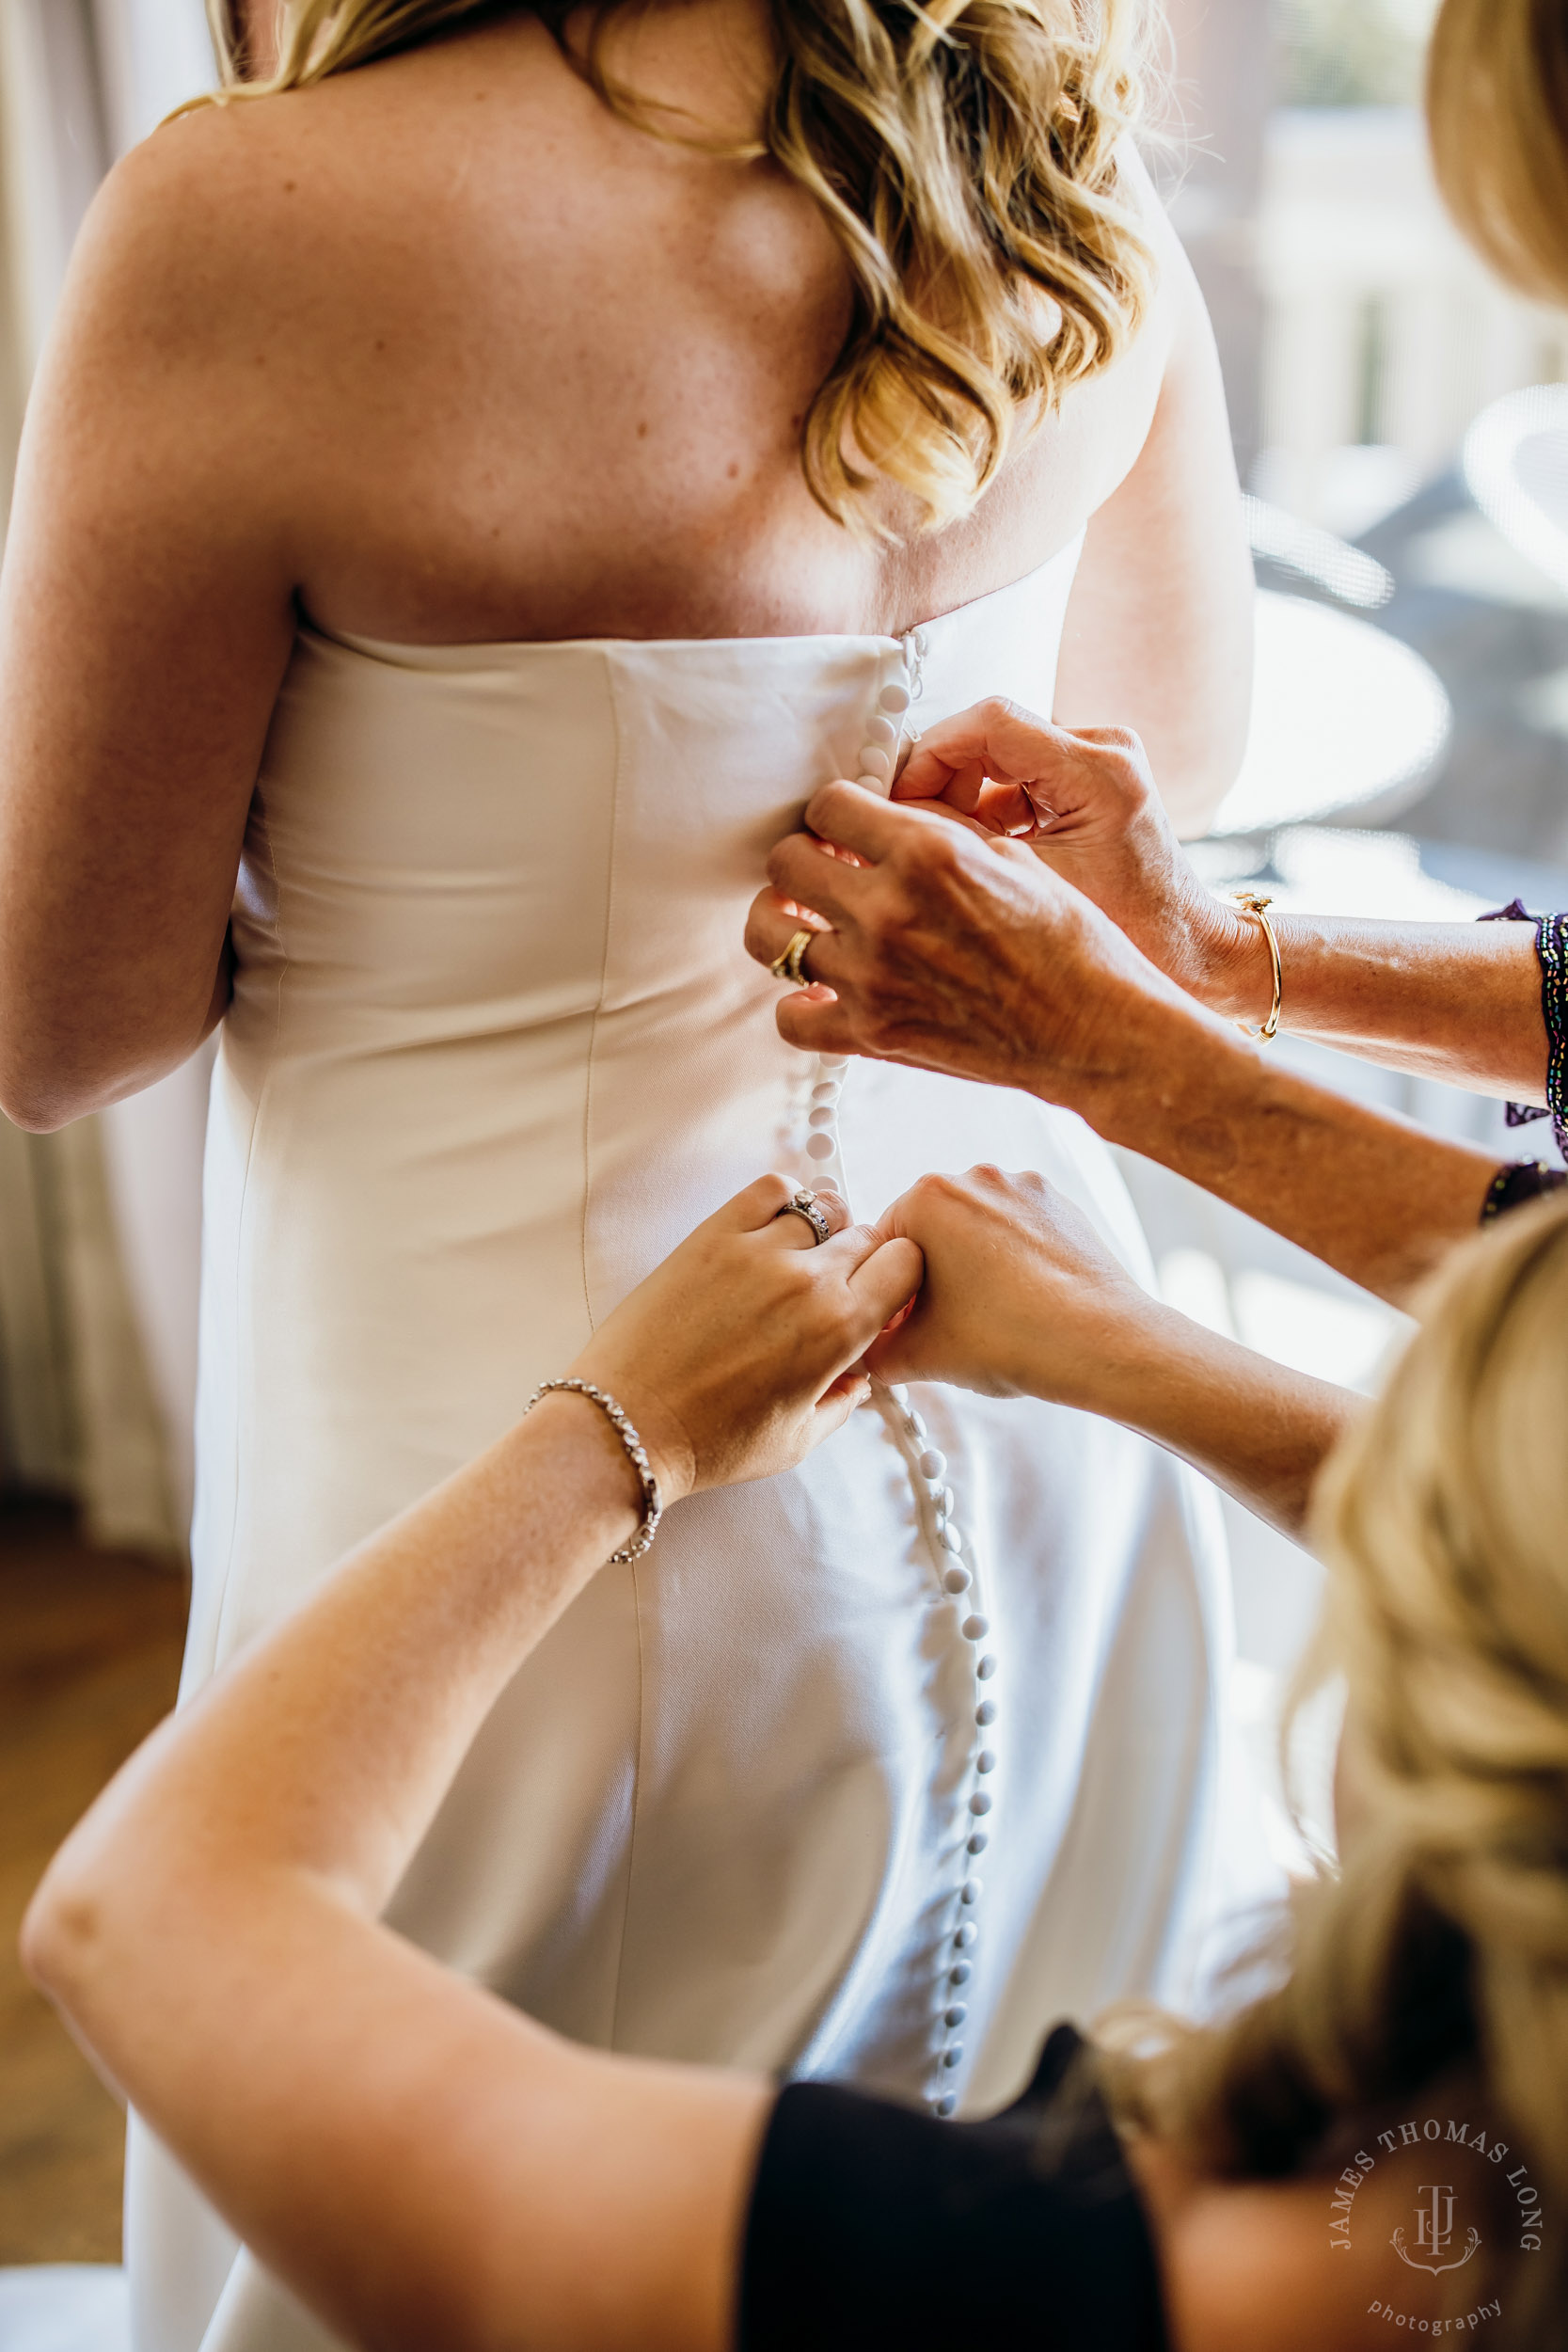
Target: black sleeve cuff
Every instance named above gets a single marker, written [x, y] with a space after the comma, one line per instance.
[1517, 1184]
[873, 2226]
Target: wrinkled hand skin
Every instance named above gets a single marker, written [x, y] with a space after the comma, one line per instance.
[1086, 804]
[954, 951]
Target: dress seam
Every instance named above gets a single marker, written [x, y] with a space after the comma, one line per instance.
[587, 1185]
[242, 1217]
[599, 997]
[615, 2042]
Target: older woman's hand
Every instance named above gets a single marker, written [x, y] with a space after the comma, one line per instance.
[958, 951]
[742, 1351]
[1086, 804]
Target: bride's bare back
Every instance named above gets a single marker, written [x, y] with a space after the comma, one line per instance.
[442, 350]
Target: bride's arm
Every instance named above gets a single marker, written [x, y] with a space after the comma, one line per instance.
[422, 2164]
[1158, 628]
[145, 620]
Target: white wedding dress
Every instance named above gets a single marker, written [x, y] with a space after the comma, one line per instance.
[872, 1770]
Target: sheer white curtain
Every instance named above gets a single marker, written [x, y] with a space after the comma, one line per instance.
[100, 1224]
[152, 55]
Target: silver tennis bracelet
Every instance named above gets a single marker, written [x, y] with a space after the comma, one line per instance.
[637, 1454]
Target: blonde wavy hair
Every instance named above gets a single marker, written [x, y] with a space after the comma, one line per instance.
[965, 153]
[1497, 106]
[1440, 1950]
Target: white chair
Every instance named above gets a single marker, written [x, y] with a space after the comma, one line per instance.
[65, 2307]
[1515, 465]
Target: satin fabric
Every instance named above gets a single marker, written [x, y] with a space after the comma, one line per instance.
[495, 1047]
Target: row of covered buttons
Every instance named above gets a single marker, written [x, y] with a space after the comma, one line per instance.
[878, 759]
[879, 756]
[960, 1576]
[822, 1118]
[879, 753]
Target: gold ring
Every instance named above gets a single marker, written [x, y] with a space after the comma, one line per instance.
[790, 965]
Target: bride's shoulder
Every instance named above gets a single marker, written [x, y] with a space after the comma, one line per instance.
[213, 219]
[250, 231]
[1172, 277]
[299, 228]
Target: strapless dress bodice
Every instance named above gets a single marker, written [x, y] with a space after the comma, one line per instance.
[873, 1769]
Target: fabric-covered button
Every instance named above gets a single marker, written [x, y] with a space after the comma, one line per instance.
[969, 1891]
[946, 2105]
[895, 698]
[875, 761]
[986, 1668]
[956, 1581]
[881, 731]
[978, 1843]
[960, 1972]
[954, 2054]
[975, 1628]
[952, 1537]
[985, 1761]
[966, 1935]
[826, 1090]
[821, 1116]
[986, 1712]
[933, 1465]
[980, 1802]
[820, 1147]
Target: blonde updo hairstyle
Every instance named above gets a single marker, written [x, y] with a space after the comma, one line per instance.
[963, 151]
[1497, 106]
[1440, 1949]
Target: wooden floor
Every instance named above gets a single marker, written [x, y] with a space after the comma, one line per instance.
[90, 1657]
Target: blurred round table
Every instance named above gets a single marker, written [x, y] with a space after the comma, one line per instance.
[1347, 722]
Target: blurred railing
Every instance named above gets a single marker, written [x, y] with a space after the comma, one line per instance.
[1383, 333]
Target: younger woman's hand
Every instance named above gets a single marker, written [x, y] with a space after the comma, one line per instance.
[1020, 1297]
[743, 1350]
[1085, 802]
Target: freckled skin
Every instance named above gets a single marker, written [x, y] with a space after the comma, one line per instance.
[442, 371]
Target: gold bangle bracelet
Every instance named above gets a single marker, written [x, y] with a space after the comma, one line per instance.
[1252, 904]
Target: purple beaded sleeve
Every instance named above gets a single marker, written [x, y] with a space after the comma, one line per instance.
[1551, 946]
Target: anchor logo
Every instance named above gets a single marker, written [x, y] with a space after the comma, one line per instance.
[1434, 2234]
